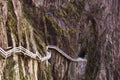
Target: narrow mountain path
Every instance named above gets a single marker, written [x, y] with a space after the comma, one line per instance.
[25, 51]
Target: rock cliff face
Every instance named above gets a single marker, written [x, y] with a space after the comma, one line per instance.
[34, 24]
[84, 28]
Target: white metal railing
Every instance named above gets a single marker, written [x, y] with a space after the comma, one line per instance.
[64, 54]
[25, 51]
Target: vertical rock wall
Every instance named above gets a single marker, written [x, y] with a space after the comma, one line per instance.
[34, 24]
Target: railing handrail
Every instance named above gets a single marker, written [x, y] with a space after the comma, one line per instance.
[64, 54]
[27, 52]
